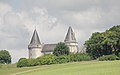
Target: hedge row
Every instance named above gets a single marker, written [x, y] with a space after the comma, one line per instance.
[108, 58]
[52, 59]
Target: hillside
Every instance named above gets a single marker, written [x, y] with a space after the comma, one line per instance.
[78, 68]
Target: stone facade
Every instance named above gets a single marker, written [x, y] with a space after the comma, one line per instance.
[37, 49]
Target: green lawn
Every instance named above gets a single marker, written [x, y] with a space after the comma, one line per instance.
[81, 68]
[78, 68]
[11, 69]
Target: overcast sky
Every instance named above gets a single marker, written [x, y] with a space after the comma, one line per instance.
[18, 19]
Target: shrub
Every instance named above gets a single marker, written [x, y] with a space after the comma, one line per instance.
[32, 62]
[46, 59]
[23, 62]
[108, 57]
[79, 57]
[52, 59]
[62, 59]
[72, 57]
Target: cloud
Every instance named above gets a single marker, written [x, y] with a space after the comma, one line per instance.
[18, 19]
[4, 8]
[17, 28]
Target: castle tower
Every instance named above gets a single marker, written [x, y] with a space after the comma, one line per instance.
[35, 46]
[70, 41]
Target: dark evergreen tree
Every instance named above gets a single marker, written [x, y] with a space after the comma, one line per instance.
[61, 49]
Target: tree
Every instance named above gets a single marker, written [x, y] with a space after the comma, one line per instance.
[5, 57]
[61, 49]
[104, 43]
[93, 45]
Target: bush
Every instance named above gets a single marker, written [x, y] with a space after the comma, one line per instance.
[23, 62]
[46, 59]
[52, 59]
[62, 59]
[32, 62]
[79, 57]
[108, 58]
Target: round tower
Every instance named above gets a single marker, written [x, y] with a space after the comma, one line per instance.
[70, 41]
[35, 46]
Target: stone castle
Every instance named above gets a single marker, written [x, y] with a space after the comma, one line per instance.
[37, 49]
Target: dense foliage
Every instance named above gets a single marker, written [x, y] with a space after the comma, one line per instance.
[23, 62]
[61, 49]
[32, 62]
[104, 43]
[62, 59]
[46, 59]
[5, 57]
[52, 59]
[79, 57]
[119, 55]
[108, 58]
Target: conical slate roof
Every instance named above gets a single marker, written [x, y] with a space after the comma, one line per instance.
[70, 37]
[35, 39]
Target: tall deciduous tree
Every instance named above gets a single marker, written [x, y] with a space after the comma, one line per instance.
[61, 49]
[5, 57]
[104, 43]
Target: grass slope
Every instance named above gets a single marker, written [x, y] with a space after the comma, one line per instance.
[80, 68]
[10, 69]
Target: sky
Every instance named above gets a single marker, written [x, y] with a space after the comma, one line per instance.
[51, 18]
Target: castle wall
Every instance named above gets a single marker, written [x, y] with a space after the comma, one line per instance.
[35, 52]
[73, 47]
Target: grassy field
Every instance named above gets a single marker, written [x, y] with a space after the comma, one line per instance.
[12, 70]
[78, 68]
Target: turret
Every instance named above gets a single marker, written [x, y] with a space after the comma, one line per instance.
[70, 41]
[35, 46]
